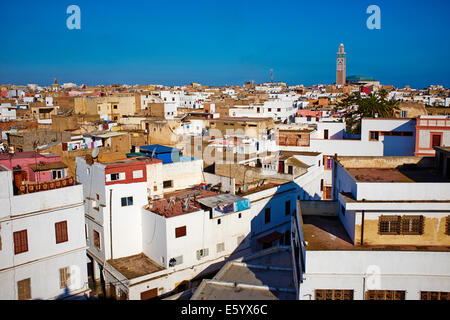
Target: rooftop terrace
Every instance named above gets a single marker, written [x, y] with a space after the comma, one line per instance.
[174, 203]
[135, 266]
[323, 230]
[402, 174]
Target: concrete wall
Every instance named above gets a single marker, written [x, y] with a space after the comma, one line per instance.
[412, 271]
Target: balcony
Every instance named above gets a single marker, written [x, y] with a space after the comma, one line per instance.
[32, 187]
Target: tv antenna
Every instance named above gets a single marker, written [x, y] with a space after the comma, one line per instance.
[271, 75]
[95, 153]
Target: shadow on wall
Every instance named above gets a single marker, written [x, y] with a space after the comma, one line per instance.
[400, 145]
[275, 232]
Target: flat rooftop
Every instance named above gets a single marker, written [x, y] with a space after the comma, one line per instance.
[265, 275]
[402, 174]
[323, 230]
[177, 201]
[135, 266]
[127, 161]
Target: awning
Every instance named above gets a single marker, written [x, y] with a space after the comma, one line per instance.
[271, 237]
[48, 166]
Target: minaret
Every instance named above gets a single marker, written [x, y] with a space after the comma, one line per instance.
[340, 66]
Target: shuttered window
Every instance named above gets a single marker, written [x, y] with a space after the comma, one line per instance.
[395, 225]
[97, 239]
[412, 225]
[434, 295]
[389, 225]
[20, 241]
[447, 226]
[61, 232]
[64, 277]
[332, 294]
[180, 232]
[24, 289]
[385, 295]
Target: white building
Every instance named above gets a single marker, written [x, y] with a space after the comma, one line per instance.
[41, 233]
[386, 236]
[278, 109]
[7, 112]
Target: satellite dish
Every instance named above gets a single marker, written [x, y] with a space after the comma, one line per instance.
[95, 153]
[245, 187]
[153, 153]
[36, 143]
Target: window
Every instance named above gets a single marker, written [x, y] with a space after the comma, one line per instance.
[240, 215]
[412, 225]
[24, 289]
[407, 225]
[138, 174]
[267, 215]
[389, 225]
[202, 253]
[434, 295]
[64, 277]
[287, 208]
[57, 174]
[403, 114]
[180, 232]
[219, 221]
[155, 188]
[290, 169]
[97, 240]
[114, 176]
[343, 210]
[20, 241]
[175, 261]
[115, 106]
[325, 134]
[331, 294]
[126, 201]
[373, 135]
[321, 184]
[328, 162]
[167, 184]
[220, 247]
[447, 226]
[61, 232]
[385, 295]
[435, 140]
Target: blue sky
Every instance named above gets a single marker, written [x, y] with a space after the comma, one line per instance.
[223, 42]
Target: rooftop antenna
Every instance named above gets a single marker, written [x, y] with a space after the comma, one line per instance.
[171, 202]
[271, 75]
[95, 153]
[186, 203]
[35, 145]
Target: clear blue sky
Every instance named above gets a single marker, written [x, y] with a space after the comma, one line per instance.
[223, 42]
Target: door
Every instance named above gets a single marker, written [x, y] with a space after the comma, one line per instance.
[280, 166]
[436, 140]
[325, 134]
[448, 168]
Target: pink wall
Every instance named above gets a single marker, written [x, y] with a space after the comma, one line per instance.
[25, 160]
